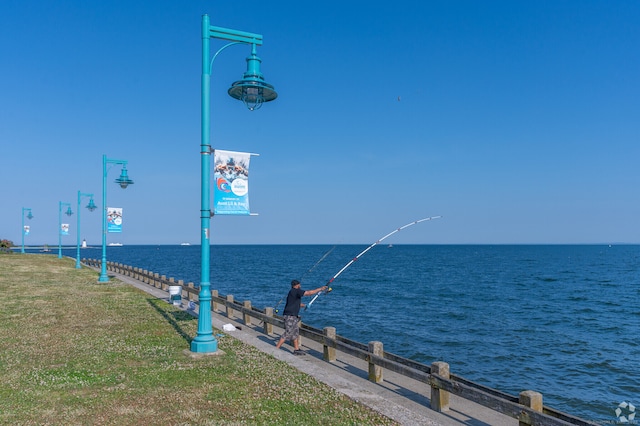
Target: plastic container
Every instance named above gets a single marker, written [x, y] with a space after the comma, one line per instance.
[175, 295]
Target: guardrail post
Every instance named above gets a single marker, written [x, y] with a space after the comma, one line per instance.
[196, 299]
[214, 300]
[375, 371]
[329, 348]
[268, 327]
[191, 293]
[182, 291]
[164, 286]
[530, 399]
[229, 305]
[439, 397]
[247, 315]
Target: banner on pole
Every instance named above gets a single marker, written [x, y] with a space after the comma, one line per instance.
[64, 229]
[231, 182]
[114, 219]
[26, 229]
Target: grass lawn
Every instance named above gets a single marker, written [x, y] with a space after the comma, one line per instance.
[76, 352]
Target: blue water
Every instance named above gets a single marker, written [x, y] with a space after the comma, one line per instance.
[561, 320]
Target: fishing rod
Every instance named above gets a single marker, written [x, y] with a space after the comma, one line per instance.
[324, 256]
[363, 252]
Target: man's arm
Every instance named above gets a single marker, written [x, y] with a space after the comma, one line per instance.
[316, 291]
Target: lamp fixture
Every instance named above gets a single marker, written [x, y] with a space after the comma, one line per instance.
[123, 180]
[91, 206]
[252, 90]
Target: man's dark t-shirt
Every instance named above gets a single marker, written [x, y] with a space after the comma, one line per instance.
[294, 298]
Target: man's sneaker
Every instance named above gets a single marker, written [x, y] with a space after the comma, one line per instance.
[299, 352]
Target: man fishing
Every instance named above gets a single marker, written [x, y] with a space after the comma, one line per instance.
[291, 318]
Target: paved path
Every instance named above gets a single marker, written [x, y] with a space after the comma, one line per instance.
[398, 397]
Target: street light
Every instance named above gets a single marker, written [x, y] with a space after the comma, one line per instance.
[253, 91]
[29, 216]
[123, 181]
[91, 206]
[68, 213]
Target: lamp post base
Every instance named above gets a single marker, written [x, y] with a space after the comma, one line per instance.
[204, 346]
[199, 355]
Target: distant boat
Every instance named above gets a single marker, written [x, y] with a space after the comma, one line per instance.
[115, 244]
[390, 245]
[185, 244]
[45, 248]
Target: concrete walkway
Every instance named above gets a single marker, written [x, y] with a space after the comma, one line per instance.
[398, 397]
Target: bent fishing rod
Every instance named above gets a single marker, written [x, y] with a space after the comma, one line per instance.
[362, 253]
[324, 256]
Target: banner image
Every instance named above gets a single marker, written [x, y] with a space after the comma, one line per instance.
[64, 229]
[114, 219]
[231, 182]
[26, 229]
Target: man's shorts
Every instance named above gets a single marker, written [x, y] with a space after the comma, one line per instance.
[291, 329]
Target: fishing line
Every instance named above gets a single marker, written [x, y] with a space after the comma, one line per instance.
[324, 256]
[363, 252]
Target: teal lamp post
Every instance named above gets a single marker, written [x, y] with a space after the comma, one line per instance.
[253, 91]
[29, 216]
[91, 206]
[68, 213]
[124, 181]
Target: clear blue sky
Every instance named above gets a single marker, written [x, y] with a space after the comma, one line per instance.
[518, 122]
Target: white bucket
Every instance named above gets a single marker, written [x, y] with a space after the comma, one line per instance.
[175, 294]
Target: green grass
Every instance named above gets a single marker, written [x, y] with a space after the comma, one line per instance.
[76, 352]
